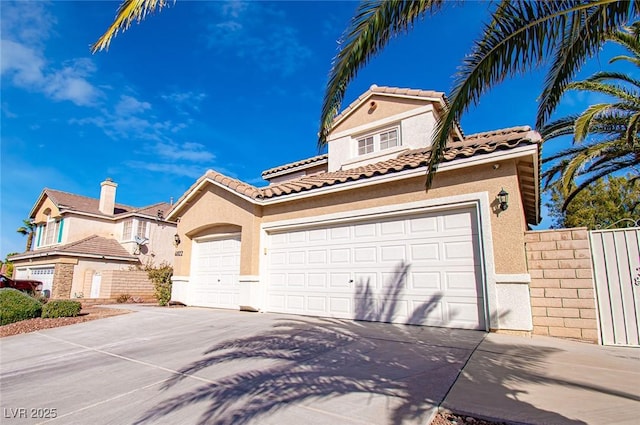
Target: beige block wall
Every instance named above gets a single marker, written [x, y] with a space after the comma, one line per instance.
[135, 283]
[562, 290]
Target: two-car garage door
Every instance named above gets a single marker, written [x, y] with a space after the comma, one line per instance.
[418, 269]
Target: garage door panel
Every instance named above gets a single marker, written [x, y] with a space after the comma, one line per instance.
[420, 269]
[317, 305]
[367, 254]
[340, 306]
[215, 273]
[425, 281]
[340, 256]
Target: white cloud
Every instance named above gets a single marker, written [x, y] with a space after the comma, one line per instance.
[190, 171]
[25, 28]
[260, 35]
[189, 151]
[130, 105]
[184, 101]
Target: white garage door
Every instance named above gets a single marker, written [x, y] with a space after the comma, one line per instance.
[43, 274]
[214, 272]
[420, 269]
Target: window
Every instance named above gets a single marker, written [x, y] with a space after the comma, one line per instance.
[127, 225]
[142, 228]
[132, 227]
[51, 232]
[365, 145]
[389, 139]
[379, 142]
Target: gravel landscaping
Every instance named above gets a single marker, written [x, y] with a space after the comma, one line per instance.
[32, 325]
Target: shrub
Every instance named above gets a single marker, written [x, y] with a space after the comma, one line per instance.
[61, 308]
[123, 298]
[16, 306]
[161, 278]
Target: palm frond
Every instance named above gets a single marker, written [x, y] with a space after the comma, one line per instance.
[128, 12]
[589, 24]
[604, 76]
[583, 122]
[371, 28]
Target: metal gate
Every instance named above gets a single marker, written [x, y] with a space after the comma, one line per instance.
[616, 269]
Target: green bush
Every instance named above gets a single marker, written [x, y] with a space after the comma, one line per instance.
[16, 306]
[161, 278]
[61, 308]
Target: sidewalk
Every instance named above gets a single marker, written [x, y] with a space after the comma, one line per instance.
[544, 380]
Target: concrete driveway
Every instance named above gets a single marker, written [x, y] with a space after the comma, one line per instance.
[197, 366]
[192, 366]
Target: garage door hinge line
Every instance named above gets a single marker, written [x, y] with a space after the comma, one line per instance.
[175, 372]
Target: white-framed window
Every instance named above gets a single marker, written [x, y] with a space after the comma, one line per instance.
[142, 228]
[389, 138]
[132, 227]
[365, 145]
[127, 227]
[50, 233]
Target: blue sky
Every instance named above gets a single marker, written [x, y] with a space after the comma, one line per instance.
[233, 86]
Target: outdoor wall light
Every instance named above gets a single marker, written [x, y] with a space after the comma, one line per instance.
[176, 239]
[503, 199]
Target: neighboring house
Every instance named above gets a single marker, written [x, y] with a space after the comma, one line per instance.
[80, 240]
[353, 234]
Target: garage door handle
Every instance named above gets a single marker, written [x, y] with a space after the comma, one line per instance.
[350, 280]
[218, 280]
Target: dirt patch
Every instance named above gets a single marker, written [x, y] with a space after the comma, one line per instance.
[443, 418]
[32, 325]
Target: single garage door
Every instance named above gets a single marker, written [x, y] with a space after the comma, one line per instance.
[419, 269]
[43, 274]
[215, 271]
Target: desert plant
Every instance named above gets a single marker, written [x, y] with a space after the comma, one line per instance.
[16, 306]
[161, 278]
[61, 308]
[123, 298]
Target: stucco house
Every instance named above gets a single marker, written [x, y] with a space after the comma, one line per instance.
[84, 247]
[354, 234]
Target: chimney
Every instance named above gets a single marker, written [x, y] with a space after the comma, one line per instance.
[107, 197]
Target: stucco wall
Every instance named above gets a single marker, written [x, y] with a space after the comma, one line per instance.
[216, 211]
[79, 227]
[385, 108]
[40, 217]
[415, 127]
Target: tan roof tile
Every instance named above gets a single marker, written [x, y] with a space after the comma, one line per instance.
[90, 246]
[473, 145]
[389, 90]
[312, 160]
[78, 203]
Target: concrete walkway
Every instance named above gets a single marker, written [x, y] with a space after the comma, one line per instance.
[544, 380]
[204, 366]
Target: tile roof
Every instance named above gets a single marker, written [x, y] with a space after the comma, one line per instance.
[308, 161]
[73, 202]
[374, 89]
[89, 246]
[473, 145]
[78, 203]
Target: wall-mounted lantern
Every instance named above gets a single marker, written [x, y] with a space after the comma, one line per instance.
[176, 239]
[503, 199]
